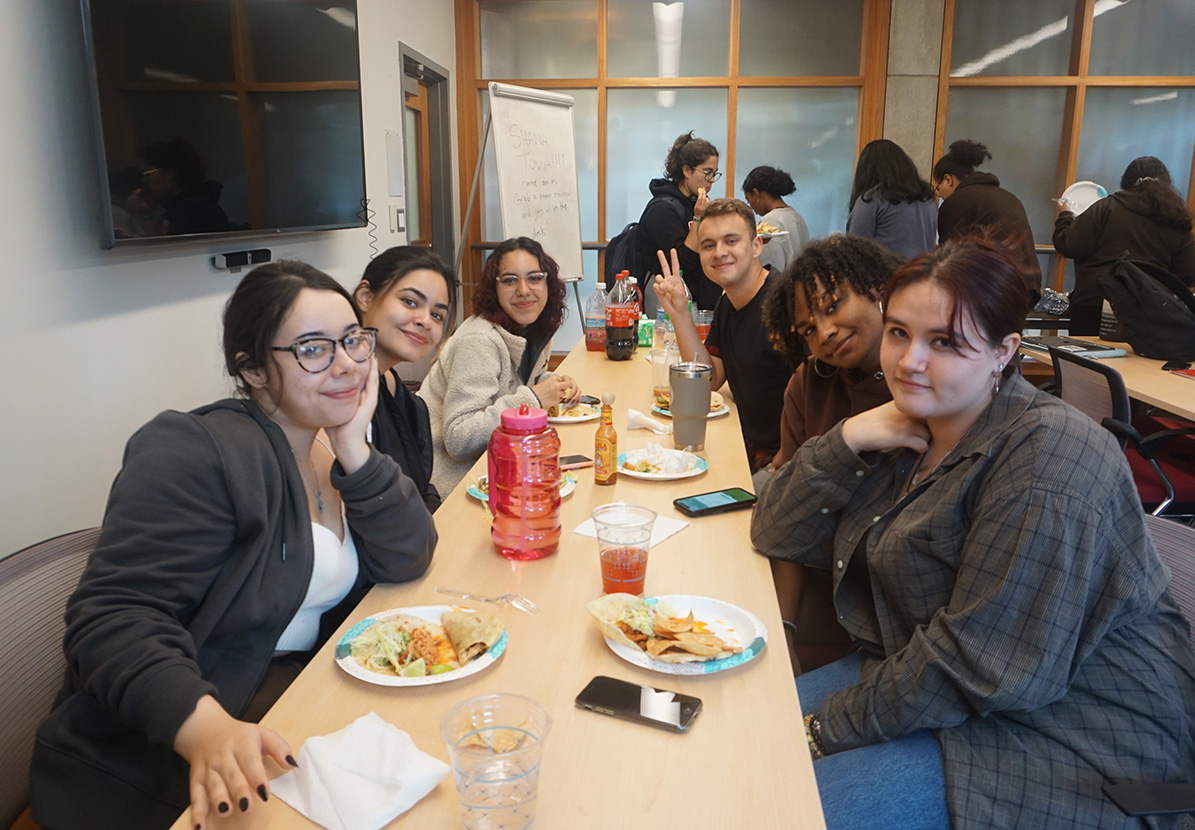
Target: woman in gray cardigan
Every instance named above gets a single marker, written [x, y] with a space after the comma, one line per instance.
[498, 358]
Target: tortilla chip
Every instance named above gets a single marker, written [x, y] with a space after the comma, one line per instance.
[669, 626]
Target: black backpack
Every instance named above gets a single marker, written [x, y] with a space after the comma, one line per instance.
[625, 252]
[1155, 308]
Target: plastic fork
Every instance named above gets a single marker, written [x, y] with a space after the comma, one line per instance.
[515, 600]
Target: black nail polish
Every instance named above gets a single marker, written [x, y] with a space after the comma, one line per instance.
[244, 804]
[291, 760]
[223, 808]
[263, 792]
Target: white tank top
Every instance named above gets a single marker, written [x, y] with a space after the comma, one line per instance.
[332, 577]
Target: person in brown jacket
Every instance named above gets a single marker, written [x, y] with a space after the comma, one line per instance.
[1146, 218]
[974, 201]
[825, 305]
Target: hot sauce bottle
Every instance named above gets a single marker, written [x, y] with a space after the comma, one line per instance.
[605, 446]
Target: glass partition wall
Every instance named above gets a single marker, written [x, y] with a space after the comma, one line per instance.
[1069, 90]
[795, 84]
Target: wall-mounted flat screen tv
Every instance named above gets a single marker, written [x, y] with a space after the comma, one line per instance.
[228, 117]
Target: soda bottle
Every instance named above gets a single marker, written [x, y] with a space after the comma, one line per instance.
[622, 316]
[633, 284]
[605, 445]
[524, 478]
[595, 320]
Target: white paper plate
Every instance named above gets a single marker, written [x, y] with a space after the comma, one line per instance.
[731, 623]
[567, 485]
[702, 466]
[724, 409]
[1082, 195]
[585, 412]
[431, 613]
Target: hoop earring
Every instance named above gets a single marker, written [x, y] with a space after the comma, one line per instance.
[819, 373]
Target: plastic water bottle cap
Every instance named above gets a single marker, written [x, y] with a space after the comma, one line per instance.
[525, 418]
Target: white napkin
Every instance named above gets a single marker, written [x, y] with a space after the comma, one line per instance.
[359, 778]
[661, 530]
[637, 420]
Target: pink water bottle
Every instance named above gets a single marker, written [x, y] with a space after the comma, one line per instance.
[524, 478]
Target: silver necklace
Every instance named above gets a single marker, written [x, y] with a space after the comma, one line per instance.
[319, 494]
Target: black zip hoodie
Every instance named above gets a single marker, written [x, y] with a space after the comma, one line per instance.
[204, 557]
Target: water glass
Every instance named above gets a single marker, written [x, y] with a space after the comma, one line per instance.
[496, 743]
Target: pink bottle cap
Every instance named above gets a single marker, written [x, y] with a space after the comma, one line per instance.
[525, 418]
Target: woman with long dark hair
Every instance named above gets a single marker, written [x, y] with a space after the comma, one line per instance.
[236, 538]
[765, 189]
[406, 293]
[975, 202]
[1017, 644]
[891, 203]
[498, 358]
[1146, 218]
[667, 222]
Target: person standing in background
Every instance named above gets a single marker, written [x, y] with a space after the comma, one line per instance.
[765, 189]
[973, 201]
[891, 203]
[670, 219]
[1147, 219]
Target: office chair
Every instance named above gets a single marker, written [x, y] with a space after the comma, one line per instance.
[1098, 391]
[34, 585]
[1175, 543]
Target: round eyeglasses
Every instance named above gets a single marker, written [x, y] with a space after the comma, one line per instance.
[316, 355]
[711, 175]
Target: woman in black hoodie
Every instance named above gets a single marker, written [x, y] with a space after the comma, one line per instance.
[667, 221]
[235, 539]
[975, 202]
[1146, 218]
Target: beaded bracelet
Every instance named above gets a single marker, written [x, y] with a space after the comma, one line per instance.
[813, 735]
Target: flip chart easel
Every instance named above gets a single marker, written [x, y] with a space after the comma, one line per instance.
[537, 174]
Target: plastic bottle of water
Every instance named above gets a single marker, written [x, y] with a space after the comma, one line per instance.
[595, 320]
[524, 478]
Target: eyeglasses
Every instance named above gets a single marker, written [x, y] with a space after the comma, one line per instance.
[316, 355]
[711, 175]
[533, 279]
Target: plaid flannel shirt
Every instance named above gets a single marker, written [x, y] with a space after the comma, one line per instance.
[1014, 604]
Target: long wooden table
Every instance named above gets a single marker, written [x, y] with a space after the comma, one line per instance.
[1145, 380]
[744, 762]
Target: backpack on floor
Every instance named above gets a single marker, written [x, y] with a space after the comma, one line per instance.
[625, 251]
[1155, 308]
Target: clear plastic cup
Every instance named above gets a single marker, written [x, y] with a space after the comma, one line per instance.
[495, 744]
[624, 536]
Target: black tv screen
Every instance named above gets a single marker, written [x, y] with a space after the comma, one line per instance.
[228, 117]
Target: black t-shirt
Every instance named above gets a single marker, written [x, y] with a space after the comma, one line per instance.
[402, 430]
[757, 374]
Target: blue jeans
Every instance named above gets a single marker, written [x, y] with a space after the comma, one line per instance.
[896, 784]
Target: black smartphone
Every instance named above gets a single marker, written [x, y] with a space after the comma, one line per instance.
[719, 501]
[1152, 799]
[573, 462]
[1175, 365]
[643, 704]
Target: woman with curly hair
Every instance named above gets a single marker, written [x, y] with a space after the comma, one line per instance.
[825, 306]
[765, 189]
[891, 203]
[498, 358]
[1147, 218]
